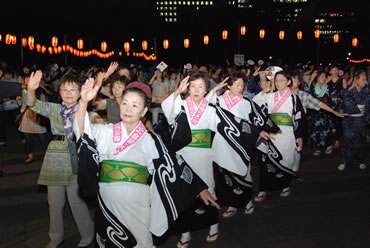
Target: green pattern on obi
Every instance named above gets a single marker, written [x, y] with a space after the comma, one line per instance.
[282, 119]
[121, 171]
[201, 138]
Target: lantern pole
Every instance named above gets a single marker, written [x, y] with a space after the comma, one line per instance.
[155, 49]
[318, 52]
[65, 53]
[238, 37]
[21, 50]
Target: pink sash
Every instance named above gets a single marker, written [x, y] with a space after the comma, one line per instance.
[282, 100]
[135, 136]
[195, 117]
[228, 101]
[117, 132]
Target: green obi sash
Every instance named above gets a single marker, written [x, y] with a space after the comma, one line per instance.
[282, 119]
[201, 138]
[120, 171]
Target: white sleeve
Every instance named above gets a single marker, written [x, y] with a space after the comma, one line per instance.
[261, 98]
[171, 107]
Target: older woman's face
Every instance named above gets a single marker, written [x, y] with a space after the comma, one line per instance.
[69, 92]
[132, 108]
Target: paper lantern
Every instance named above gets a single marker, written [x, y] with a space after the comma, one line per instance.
[1, 37]
[336, 38]
[186, 43]
[126, 46]
[80, 44]
[165, 44]
[281, 35]
[317, 33]
[104, 46]
[43, 49]
[24, 42]
[14, 39]
[206, 40]
[50, 49]
[262, 33]
[38, 47]
[354, 42]
[243, 30]
[299, 35]
[224, 35]
[31, 40]
[8, 39]
[54, 41]
[144, 45]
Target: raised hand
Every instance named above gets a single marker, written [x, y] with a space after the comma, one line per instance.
[219, 86]
[34, 81]
[112, 67]
[183, 85]
[89, 90]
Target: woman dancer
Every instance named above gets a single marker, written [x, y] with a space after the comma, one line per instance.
[129, 209]
[286, 110]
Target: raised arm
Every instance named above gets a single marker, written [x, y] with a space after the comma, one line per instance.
[88, 92]
[182, 87]
[33, 84]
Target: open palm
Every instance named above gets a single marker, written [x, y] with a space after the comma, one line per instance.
[89, 90]
[34, 80]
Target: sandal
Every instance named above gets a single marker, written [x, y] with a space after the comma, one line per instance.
[249, 210]
[285, 193]
[213, 237]
[229, 213]
[329, 150]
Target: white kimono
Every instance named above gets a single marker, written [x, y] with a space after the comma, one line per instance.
[142, 209]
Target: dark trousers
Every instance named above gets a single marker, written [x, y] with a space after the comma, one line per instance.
[30, 137]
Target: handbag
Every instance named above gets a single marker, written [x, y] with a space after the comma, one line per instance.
[72, 148]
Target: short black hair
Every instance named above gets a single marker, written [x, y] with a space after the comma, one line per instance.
[70, 77]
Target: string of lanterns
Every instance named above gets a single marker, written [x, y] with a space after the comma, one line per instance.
[54, 48]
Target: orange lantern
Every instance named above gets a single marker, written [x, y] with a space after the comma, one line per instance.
[43, 49]
[186, 43]
[165, 44]
[8, 39]
[243, 30]
[24, 42]
[144, 45]
[104, 46]
[59, 49]
[262, 33]
[281, 35]
[354, 42]
[31, 47]
[1, 37]
[317, 33]
[126, 46]
[14, 39]
[54, 41]
[31, 40]
[50, 49]
[38, 47]
[299, 35]
[224, 34]
[206, 40]
[80, 44]
[336, 38]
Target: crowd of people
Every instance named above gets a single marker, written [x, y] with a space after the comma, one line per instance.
[165, 149]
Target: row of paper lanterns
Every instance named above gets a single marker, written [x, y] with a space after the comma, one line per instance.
[12, 39]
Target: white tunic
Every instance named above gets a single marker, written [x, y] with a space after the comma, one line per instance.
[129, 202]
[285, 141]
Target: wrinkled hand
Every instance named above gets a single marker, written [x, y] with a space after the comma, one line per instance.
[34, 81]
[220, 85]
[183, 85]
[340, 114]
[207, 199]
[265, 135]
[112, 67]
[89, 90]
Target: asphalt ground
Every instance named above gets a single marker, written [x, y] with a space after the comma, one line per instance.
[327, 208]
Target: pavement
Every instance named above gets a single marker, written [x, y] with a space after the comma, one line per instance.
[326, 209]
